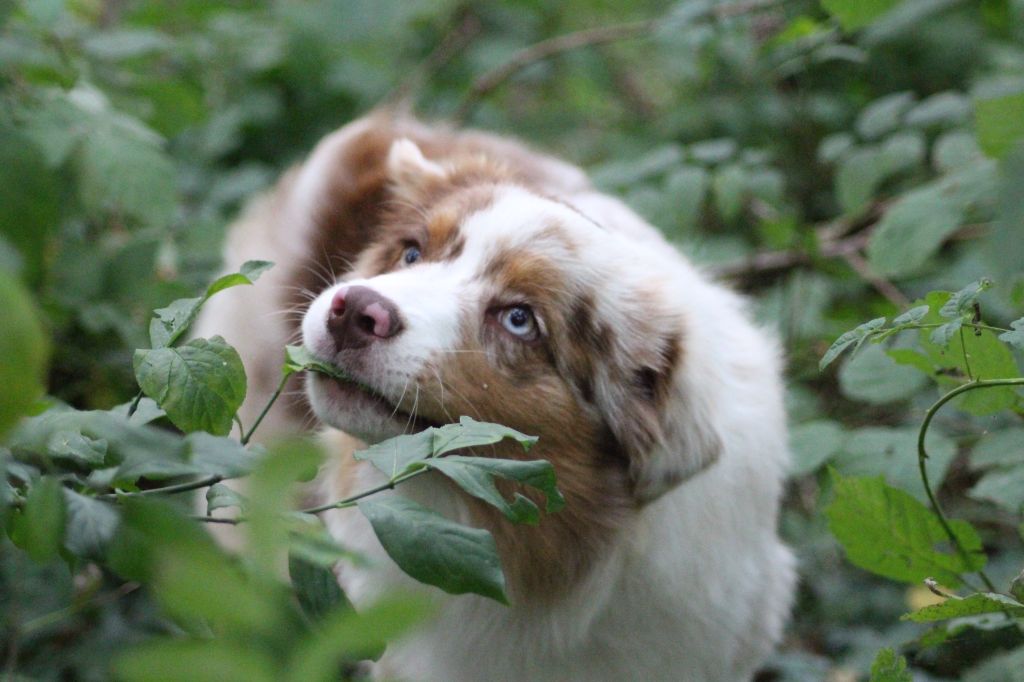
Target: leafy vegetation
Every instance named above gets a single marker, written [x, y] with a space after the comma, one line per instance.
[856, 166]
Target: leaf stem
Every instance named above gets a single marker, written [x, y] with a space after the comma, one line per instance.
[922, 455]
[266, 409]
[166, 490]
[135, 404]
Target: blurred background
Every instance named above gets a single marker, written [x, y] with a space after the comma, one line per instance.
[769, 140]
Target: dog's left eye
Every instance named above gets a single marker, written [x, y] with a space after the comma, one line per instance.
[519, 321]
[411, 255]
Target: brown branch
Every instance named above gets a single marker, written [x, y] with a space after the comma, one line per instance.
[546, 49]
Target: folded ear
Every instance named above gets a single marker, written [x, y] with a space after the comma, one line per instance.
[412, 175]
[660, 418]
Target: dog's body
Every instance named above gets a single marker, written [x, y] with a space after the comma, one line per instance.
[481, 278]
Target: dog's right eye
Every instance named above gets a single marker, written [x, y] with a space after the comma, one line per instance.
[519, 321]
[411, 255]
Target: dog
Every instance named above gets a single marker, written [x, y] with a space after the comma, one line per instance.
[462, 273]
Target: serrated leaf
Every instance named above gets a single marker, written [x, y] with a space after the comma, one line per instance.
[941, 336]
[476, 476]
[434, 550]
[886, 531]
[91, 525]
[999, 122]
[40, 527]
[854, 14]
[72, 446]
[847, 339]
[973, 605]
[200, 385]
[316, 587]
[962, 301]
[888, 667]
[1015, 337]
[912, 316]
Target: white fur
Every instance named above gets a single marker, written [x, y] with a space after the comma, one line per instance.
[698, 588]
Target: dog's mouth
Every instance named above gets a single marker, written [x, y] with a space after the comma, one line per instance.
[349, 390]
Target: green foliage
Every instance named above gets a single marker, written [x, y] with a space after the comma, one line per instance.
[841, 160]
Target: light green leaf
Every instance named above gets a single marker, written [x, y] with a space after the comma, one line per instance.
[813, 444]
[857, 177]
[300, 359]
[873, 377]
[434, 550]
[24, 349]
[888, 667]
[686, 189]
[912, 316]
[1002, 486]
[941, 336]
[91, 525]
[1015, 337]
[316, 587]
[954, 150]
[961, 303]
[71, 445]
[999, 122]
[247, 274]
[883, 115]
[40, 527]
[713, 152]
[854, 336]
[834, 146]
[1004, 667]
[941, 109]
[221, 496]
[912, 231]
[975, 604]
[471, 433]
[169, 323]
[215, 660]
[394, 455]
[200, 385]
[892, 452]
[886, 531]
[854, 14]
[1001, 448]
[729, 190]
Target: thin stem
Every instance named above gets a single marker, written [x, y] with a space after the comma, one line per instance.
[266, 409]
[350, 501]
[135, 404]
[166, 490]
[922, 455]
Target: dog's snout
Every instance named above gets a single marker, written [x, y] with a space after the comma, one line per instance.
[360, 316]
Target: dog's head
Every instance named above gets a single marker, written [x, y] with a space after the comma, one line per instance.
[481, 297]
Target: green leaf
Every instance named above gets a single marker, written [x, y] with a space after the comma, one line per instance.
[942, 336]
[434, 550]
[854, 336]
[962, 302]
[1002, 486]
[892, 452]
[300, 359]
[471, 433]
[886, 531]
[200, 385]
[30, 196]
[912, 230]
[309, 540]
[347, 636]
[216, 660]
[940, 109]
[1015, 337]
[883, 115]
[999, 122]
[72, 446]
[999, 448]
[220, 496]
[247, 274]
[1004, 667]
[911, 316]
[888, 667]
[975, 604]
[394, 455]
[873, 377]
[91, 525]
[857, 177]
[729, 191]
[123, 173]
[316, 587]
[24, 349]
[854, 14]
[813, 444]
[169, 323]
[40, 527]
[476, 476]
[955, 150]
[686, 189]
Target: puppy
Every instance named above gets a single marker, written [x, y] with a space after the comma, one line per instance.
[460, 273]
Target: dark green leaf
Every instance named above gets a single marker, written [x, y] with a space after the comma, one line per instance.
[999, 122]
[91, 525]
[24, 349]
[912, 230]
[874, 377]
[219, 660]
[394, 455]
[30, 196]
[1003, 487]
[200, 385]
[884, 114]
[40, 527]
[886, 531]
[316, 588]
[854, 14]
[813, 444]
[476, 475]
[73, 446]
[299, 359]
[169, 323]
[434, 550]
[892, 452]
[220, 496]
[471, 433]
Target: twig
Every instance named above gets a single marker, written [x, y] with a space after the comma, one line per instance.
[266, 409]
[922, 455]
[546, 49]
[881, 284]
[167, 489]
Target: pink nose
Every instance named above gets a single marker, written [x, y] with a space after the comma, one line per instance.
[360, 316]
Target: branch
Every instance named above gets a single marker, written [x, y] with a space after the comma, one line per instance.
[546, 49]
[922, 455]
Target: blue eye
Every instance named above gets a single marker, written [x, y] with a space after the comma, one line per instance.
[519, 321]
[411, 255]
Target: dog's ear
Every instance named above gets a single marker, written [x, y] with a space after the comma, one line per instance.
[412, 175]
[659, 415]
